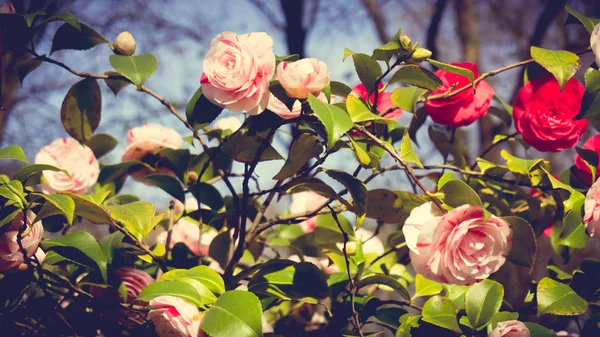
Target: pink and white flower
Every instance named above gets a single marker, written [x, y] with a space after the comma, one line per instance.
[188, 233]
[142, 144]
[228, 123]
[237, 71]
[510, 329]
[459, 247]
[135, 281]
[283, 111]
[69, 155]
[307, 201]
[174, 317]
[11, 257]
[303, 77]
[591, 217]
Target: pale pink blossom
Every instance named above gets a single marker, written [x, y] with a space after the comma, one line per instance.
[142, 144]
[69, 155]
[307, 201]
[7, 8]
[228, 123]
[510, 329]
[283, 111]
[11, 257]
[174, 317]
[188, 233]
[237, 71]
[135, 281]
[458, 247]
[303, 77]
[595, 43]
[591, 217]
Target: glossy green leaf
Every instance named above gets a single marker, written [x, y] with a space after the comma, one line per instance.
[482, 302]
[288, 280]
[179, 160]
[235, 313]
[361, 155]
[135, 68]
[407, 322]
[14, 152]
[416, 76]
[309, 184]
[340, 89]
[456, 294]
[167, 183]
[556, 298]
[406, 97]
[441, 311]
[386, 280]
[89, 210]
[200, 111]
[179, 289]
[357, 190]
[426, 287]
[367, 69]
[26, 172]
[113, 172]
[68, 37]
[359, 112]
[522, 166]
[453, 69]
[560, 63]
[13, 192]
[574, 233]
[536, 330]
[303, 149]
[407, 153]
[335, 120]
[101, 144]
[588, 23]
[110, 243]
[62, 202]
[136, 217]
[457, 193]
[245, 149]
[67, 17]
[80, 247]
[115, 84]
[203, 274]
[29, 17]
[81, 109]
[524, 248]
[208, 195]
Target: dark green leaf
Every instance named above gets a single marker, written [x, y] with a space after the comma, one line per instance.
[200, 111]
[69, 18]
[288, 280]
[110, 243]
[81, 109]
[113, 172]
[524, 248]
[208, 195]
[304, 148]
[335, 120]
[101, 144]
[25, 67]
[67, 37]
[115, 84]
[357, 189]
[340, 89]
[482, 302]
[27, 171]
[588, 23]
[457, 193]
[29, 17]
[387, 281]
[367, 69]
[419, 77]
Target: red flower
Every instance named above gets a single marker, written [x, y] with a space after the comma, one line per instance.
[544, 115]
[384, 102]
[582, 169]
[463, 108]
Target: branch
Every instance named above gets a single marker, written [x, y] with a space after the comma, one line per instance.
[378, 19]
[434, 26]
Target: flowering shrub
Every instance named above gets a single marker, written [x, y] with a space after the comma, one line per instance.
[343, 258]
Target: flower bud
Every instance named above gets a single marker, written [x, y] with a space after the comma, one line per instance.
[406, 43]
[124, 44]
[420, 55]
[192, 178]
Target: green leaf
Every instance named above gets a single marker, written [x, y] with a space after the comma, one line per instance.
[69, 18]
[200, 111]
[101, 144]
[506, 106]
[387, 281]
[62, 202]
[167, 183]
[304, 148]
[385, 52]
[244, 148]
[115, 84]
[288, 280]
[335, 120]
[426, 287]
[14, 193]
[407, 322]
[135, 68]
[406, 97]
[574, 233]
[89, 210]
[67, 37]
[235, 313]
[453, 69]
[340, 89]
[359, 112]
[110, 243]
[136, 217]
[522, 166]
[407, 153]
[80, 247]
[309, 184]
[588, 23]
[110, 173]
[25, 67]
[27, 171]
[560, 63]
[457, 193]
[441, 311]
[81, 109]
[457, 294]
[219, 248]
[482, 302]
[536, 330]
[14, 152]
[556, 298]
[361, 155]
[208, 195]
[416, 76]
[326, 221]
[179, 289]
[29, 17]
[203, 274]
[524, 248]
[357, 190]
[384, 205]
[367, 69]
[179, 160]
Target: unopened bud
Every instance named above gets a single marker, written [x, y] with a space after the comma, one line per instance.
[406, 43]
[124, 44]
[421, 54]
[192, 178]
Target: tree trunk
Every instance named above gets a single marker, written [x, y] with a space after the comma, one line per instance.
[295, 32]
[434, 27]
[378, 19]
